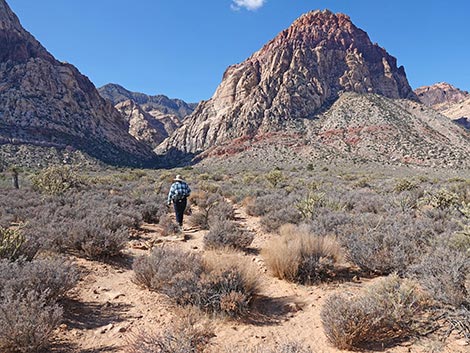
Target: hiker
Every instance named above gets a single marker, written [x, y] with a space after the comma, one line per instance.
[178, 194]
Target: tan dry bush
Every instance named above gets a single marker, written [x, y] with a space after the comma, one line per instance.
[299, 256]
[191, 333]
[383, 312]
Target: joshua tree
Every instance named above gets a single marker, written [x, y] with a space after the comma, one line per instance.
[14, 176]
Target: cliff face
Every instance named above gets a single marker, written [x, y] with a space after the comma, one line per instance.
[143, 126]
[44, 102]
[293, 77]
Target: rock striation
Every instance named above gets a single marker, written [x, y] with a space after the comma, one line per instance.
[45, 102]
[299, 73]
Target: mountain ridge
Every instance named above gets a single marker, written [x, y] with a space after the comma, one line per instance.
[44, 102]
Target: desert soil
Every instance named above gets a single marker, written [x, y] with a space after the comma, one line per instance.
[107, 308]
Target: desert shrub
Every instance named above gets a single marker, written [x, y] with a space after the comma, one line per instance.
[366, 201]
[168, 226]
[17, 206]
[227, 234]
[275, 219]
[380, 314]
[95, 242]
[441, 199]
[29, 313]
[206, 203]
[404, 185]
[386, 245]
[444, 272]
[191, 334]
[264, 204]
[27, 321]
[328, 222]
[14, 245]
[308, 206]
[289, 347]
[275, 177]
[50, 278]
[212, 286]
[299, 256]
[56, 180]
[221, 212]
[159, 270]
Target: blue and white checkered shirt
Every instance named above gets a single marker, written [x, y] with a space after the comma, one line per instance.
[178, 188]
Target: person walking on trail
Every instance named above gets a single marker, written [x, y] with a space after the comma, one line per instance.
[179, 192]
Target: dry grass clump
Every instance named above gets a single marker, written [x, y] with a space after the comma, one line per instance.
[215, 286]
[299, 256]
[382, 313]
[190, 334]
[226, 234]
[29, 312]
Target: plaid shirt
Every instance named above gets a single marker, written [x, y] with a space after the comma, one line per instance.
[178, 188]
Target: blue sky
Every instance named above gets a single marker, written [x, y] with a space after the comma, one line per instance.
[181, 48]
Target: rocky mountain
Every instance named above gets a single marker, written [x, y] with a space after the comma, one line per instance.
[157, 106]
[447, 99]
[145, 127]
[44, 102]
[292, 78]
[320, 88]
[441, 96]
[459, 112]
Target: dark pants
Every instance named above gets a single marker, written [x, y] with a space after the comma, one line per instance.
[180, 206]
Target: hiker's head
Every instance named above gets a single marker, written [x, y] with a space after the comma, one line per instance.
[178, 178]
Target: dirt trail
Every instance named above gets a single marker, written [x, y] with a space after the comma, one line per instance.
[107, 308]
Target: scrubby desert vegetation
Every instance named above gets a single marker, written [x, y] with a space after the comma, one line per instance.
[389, 251]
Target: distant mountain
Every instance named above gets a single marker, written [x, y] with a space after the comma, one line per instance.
[441, 96]
[145, 127]
[449, 100]
[321, 85]
[46, 103]
[155, 105]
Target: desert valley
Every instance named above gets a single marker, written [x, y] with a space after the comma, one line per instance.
[329, 211]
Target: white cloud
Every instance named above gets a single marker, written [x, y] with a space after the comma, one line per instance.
[248, 4]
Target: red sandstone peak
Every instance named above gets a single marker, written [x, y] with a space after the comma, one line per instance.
[293, 77]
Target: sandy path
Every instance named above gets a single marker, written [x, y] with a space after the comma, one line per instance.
[107, 308]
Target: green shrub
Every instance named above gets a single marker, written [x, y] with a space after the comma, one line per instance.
[14, 244]
[56, 180]
[382, 313]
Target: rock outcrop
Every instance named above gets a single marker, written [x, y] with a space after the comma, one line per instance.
[158, 105]
[145, 127]
[44, 102]
[292, 78]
